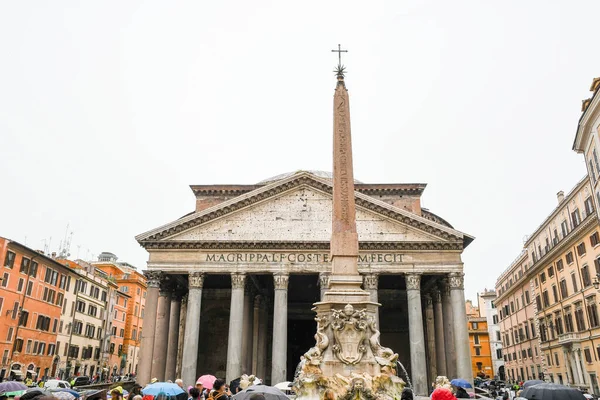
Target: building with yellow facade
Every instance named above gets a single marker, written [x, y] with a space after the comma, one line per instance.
[550, 290]
[129, 309]
[479, 342]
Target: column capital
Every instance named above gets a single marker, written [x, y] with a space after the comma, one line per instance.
[456, 281]
[371, 281]
[413, 281]
[281, 281]
[153, 278]
[323, 280]
[196, 280]
[436, 295]
[444, 287]
[238, 280]
[428, 299]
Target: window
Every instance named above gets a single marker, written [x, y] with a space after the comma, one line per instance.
[9, 335]
[112, 348]
[28, 347]
[551, 272]
[556, 360]
[80, 306]
[555, 293]
[477, 351]
[9, 260]
[527, 299]
[559, 265]
[92, 310]
[595, 239]
[474, 325]
[543, 277]
[576, 218]
[20, 285]
[592, 310]
[24, 265]
[18, 345]
[77, 327]
[574, 279]
[5, 279]
[29, 288]
[558, 324]
[546, 298]
[596, 160]
[569, 257]
[538, 302]
[589, 204]
[23, 318]
[563, 289]
[592, 172]
[494, 319]
[581, 249]
[588, 355]
[122, 333]
[585, 276]
[564, 228]
[568, 321]
[579, 319]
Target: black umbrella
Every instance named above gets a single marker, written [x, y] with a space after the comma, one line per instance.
[532, 383]
[552, 391]
[270, 393]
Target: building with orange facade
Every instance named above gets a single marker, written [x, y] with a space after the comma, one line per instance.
[479, 342]
[32, 295]
[132, 288]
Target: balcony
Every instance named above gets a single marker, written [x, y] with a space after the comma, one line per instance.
[569, 338]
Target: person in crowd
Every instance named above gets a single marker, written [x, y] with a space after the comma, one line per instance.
[135, 390]
[200, 387]
[194, 394]
[179, 383]
[328, 394]
[461, 393]
[117, 393]
[220, 391]
[137, 397]
[442, 393]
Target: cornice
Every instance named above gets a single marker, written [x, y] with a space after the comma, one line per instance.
[593, 109]
[296, 245]
[394, 213]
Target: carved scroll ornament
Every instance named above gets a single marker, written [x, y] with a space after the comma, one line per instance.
[413, 281]
[196, 280]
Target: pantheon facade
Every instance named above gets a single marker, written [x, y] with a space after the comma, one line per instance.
[231, 285]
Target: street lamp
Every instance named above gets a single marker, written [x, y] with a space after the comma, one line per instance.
[596, 282]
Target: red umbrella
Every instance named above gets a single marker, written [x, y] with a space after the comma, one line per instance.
[207, 381]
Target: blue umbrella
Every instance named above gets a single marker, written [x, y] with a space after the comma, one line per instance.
[461, 383]
[169, 389]
[11, 386]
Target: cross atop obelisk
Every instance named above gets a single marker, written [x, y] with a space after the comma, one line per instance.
[344, 239]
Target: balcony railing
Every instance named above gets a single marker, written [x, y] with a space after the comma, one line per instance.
[569, 338]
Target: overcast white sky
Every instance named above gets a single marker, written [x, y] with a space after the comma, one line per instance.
[109, 110]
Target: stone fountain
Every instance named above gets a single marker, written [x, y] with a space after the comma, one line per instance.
[347, 357]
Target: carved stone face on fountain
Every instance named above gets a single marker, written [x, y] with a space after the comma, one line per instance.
[348, 310]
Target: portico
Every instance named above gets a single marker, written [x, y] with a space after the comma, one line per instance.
[253, 259]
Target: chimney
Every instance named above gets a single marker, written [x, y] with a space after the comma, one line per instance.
[53, 254]
[560, 196]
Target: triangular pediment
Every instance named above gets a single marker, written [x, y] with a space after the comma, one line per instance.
[298, 209]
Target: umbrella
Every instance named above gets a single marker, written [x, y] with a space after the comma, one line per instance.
[283, 386]
[552, 391]
[12, 386]
[270, 393]
[75, 393]
[207, 381]
[63, 395]
[13, 394]
[461, 383]
[168, 389]
[532, 383]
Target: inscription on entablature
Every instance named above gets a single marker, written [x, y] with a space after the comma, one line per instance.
[307, 258]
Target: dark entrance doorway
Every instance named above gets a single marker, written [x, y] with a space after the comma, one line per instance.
[300, 339]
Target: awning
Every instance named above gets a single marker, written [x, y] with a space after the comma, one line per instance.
[16, 372]
[32, 372]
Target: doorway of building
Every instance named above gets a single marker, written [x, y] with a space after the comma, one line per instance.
[300, 339]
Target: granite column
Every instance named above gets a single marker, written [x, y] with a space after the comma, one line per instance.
[236, 326]
[147, 344]
[279, 353]
[449, 326]
[430, 329]
[440, 348]
[161, 335]
[189, 358]
[259, 347]
[371, 285]
[323, 283]
[182, 319]
[247, 331]
[418, 361]
[464, 368]
[173, 339]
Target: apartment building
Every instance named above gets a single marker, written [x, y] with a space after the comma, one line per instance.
[587, 138]
[32, 293]
[486, 301]
[133, 284]
[522, 356]
[479, 342]
[84, 322]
